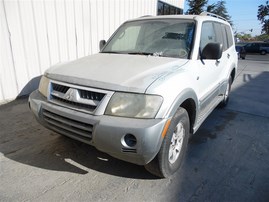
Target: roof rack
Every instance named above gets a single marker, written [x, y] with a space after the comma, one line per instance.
[212, 15]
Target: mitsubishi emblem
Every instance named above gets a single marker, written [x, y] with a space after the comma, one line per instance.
[70, 95]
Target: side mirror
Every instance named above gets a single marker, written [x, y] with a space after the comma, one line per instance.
[212, 51]
[102, 43]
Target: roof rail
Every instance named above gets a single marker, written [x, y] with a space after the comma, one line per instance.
[212, 15]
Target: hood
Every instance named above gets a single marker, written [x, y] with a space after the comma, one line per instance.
[117, 72]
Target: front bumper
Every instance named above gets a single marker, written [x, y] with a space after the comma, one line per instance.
[106, 133]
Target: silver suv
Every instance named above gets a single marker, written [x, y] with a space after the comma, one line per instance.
[152, 85]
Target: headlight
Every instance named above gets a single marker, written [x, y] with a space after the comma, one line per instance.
[134, 105]
[44, 86]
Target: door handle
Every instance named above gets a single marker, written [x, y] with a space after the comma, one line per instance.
[228, 55]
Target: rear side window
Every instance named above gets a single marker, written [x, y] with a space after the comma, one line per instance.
[265, 45]
[229, 36]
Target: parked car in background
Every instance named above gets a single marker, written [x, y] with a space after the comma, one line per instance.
[257, 47]
[151, 86]
[241, 52]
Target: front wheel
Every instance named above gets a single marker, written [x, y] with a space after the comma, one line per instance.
[173, 148]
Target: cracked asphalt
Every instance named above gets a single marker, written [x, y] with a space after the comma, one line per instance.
[227, 159]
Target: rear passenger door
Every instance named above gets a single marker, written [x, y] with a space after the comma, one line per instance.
[222, 38]
[227, 55]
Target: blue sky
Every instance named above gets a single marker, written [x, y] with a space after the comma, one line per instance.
[243, 13]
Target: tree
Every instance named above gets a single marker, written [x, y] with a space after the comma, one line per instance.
[243, 36]
[219, 8]
[263, 37]
[263, 16]
[196, 7]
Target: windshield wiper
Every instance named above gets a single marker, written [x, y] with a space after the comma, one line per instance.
[115, 52]
[130, 53]
[139, 53]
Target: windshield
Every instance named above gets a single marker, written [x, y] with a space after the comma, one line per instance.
[162, 37]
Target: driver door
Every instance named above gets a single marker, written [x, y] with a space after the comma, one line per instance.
[208, 71]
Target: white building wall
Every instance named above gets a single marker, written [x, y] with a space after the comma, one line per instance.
[36, 34]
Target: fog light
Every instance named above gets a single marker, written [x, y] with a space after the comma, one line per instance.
[130, 140]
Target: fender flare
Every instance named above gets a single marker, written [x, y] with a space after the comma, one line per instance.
[184, 95]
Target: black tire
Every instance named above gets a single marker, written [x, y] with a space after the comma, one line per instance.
[165, 164]
[227, 94]
[263, 52]
[242, 56]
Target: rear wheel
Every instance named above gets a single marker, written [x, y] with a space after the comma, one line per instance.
[173, 148]
[263, 52]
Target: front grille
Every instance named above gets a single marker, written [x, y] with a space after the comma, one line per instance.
[76, 97]
[74, 104]
[91, 95]
[59, 88]
[68, 126]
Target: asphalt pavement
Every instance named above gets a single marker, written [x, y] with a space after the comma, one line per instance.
[227, 160]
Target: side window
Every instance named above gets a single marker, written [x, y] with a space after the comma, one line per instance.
[256, 45]
[220, 35]
[229, 36]
[225, 38]
[208, 34]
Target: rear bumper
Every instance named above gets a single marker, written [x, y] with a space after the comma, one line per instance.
[106, 133]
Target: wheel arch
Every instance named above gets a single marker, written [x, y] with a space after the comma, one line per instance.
[190, 107]
[188, 100]
[232, 74]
